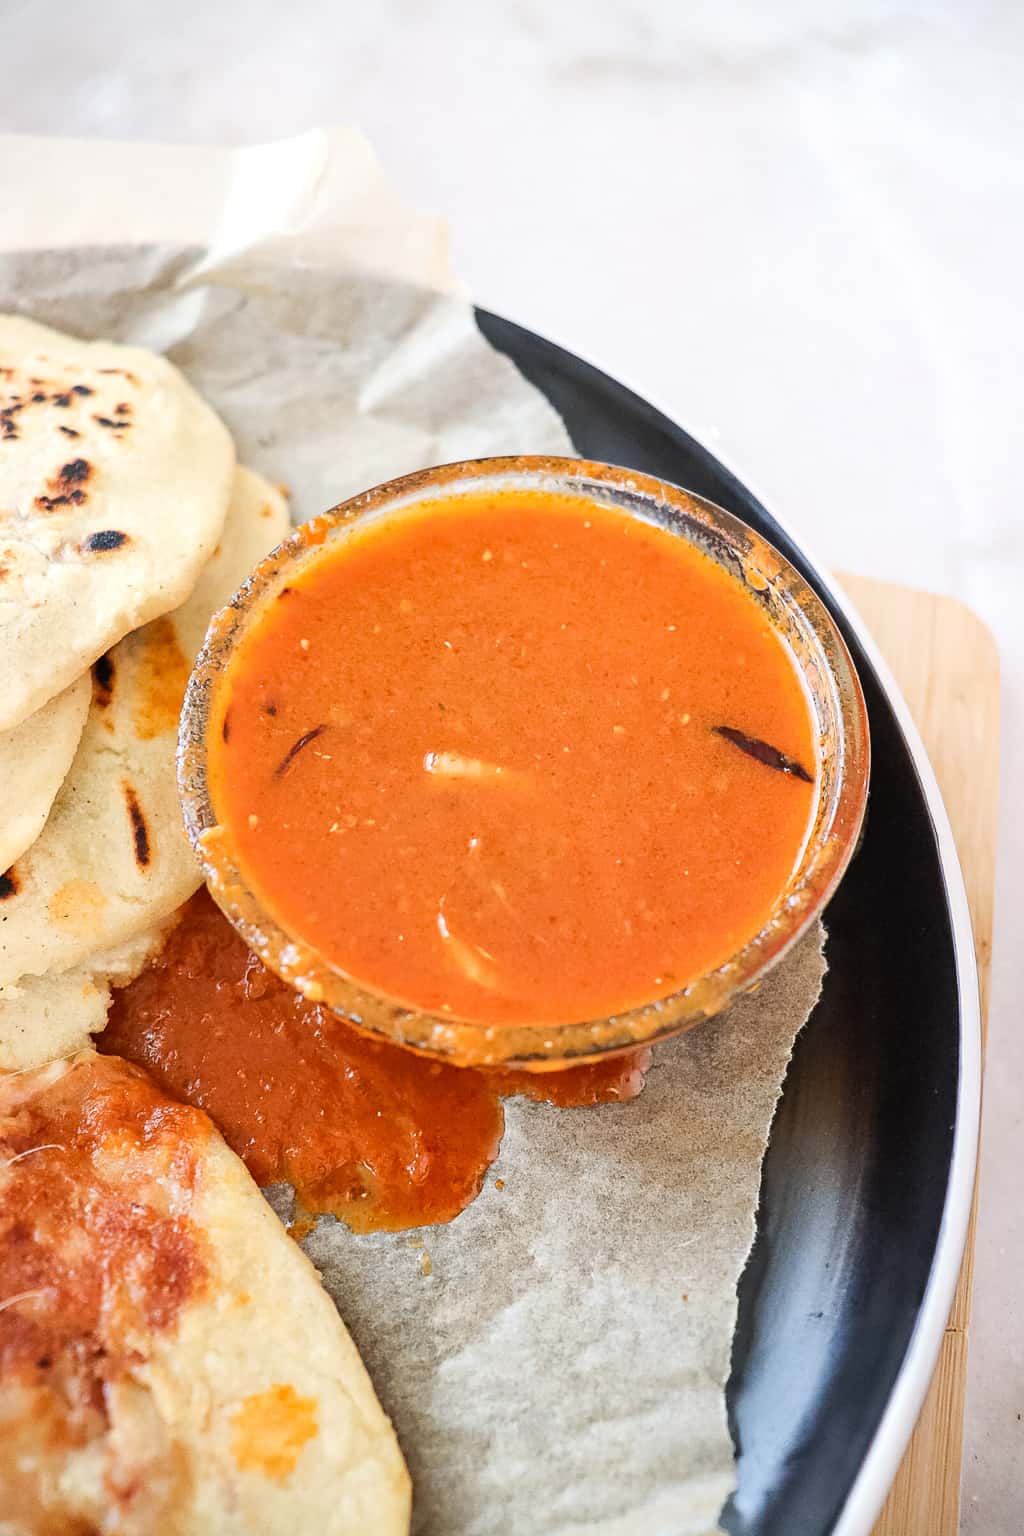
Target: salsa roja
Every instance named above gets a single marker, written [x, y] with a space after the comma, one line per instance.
[514, 758]
[362, 1129]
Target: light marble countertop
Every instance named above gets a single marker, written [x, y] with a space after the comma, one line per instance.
[798, 228]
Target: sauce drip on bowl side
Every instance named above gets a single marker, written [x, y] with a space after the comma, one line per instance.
[362, 1129]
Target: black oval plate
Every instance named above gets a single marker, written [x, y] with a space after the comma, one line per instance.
[863, 1146]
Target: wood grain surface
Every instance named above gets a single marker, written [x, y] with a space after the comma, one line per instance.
[946, 664]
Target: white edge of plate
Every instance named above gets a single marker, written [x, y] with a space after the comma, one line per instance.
[881, 1463]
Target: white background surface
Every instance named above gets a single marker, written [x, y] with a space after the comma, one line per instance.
[798, 227]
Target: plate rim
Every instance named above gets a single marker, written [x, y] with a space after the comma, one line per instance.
[892, 1434]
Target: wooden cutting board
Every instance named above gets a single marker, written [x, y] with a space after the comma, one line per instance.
[947, 666]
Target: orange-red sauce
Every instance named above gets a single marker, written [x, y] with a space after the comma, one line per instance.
[96, 1243]
[362, 1129]
[472, 755]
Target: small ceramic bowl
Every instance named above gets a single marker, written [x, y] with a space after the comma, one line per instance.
[798, 617]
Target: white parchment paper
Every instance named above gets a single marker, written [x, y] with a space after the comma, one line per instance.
[561, 1368]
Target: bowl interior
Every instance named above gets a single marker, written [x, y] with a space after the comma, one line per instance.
[795, 613]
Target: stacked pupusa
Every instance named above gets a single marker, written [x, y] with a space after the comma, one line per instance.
[125, 523]
[169, 1359]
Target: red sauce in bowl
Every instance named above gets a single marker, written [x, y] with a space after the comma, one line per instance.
[514, 757]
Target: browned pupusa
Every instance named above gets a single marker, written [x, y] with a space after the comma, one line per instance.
[169, 1361]
[114, 484]
[113, 858]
